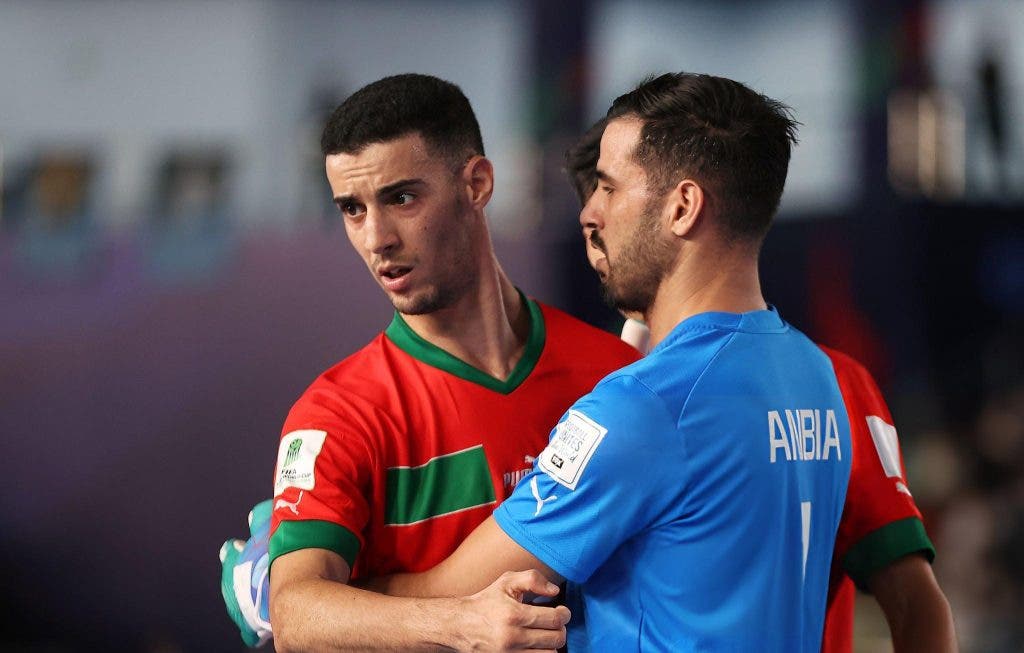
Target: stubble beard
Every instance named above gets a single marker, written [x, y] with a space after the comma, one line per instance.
[452, 283]
[632, 282]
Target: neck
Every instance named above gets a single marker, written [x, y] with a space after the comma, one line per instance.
[487, 327]
[721, 278]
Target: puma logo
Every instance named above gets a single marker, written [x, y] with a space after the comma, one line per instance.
[529, 459]
[536, 495]
[294, 507]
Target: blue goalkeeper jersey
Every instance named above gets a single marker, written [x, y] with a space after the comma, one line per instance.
[694, 495]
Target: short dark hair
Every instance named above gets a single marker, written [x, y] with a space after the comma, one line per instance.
[731, 139]
[399, 105]
[581, 161]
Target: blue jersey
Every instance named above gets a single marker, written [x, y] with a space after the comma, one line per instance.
[694, 495]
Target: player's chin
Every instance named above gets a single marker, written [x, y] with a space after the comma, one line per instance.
[414, 303]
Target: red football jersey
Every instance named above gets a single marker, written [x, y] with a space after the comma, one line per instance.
[880, 521]
[392, 457]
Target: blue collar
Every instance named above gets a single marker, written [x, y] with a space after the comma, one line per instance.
[764, 321]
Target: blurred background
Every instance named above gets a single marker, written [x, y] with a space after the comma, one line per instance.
[173, 275]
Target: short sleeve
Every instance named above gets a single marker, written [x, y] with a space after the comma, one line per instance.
[321, 484]
[880, 522]
[613, 464]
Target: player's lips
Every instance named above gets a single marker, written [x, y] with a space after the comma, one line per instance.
[394, 277]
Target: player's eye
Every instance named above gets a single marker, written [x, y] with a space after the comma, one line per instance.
[404, 198]
[607, 189]
[350, 209]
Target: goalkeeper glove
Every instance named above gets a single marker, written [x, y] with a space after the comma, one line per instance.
[245, 578]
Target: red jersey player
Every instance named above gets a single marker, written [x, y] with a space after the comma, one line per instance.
[393, 456]
[881, 526]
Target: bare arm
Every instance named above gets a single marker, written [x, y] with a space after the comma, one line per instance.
[481, 558]
[313, 608]
[915, 607]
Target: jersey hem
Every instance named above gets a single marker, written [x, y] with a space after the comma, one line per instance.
[886, 545]
[314, 534]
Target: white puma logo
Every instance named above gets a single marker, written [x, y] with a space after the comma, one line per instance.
[529, 459]
[294, 507]
[536, 495]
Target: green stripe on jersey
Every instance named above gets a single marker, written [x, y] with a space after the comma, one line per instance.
[886, 545]
[314, 534]
[400, 333]
[444, 485]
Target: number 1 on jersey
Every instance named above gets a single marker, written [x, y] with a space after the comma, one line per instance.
[805, 531]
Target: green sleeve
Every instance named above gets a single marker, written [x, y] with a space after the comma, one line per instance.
[886, 545]
[314, 534]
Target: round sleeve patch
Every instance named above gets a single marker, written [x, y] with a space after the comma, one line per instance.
[571, 448]
[296, 460]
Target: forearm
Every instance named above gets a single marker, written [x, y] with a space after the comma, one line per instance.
[917, 611]
[481, 558]
[433, 583]
[447, 579]
[927, 628]
[325, 615]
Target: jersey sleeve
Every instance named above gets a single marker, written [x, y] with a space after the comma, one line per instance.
[321, 483]
[610, 467]
[880, 522]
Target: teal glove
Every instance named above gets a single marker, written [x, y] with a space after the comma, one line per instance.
[245, 578]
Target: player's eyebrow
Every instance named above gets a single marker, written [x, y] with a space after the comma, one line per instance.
[401, 184]
[383, 191]
[603, 176]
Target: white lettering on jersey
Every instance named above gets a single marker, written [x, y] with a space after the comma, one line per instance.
[803, 436]
[511, 479]
[296, 460]
[805, 533]
[570, 449]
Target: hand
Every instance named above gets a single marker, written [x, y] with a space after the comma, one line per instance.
[496, 619]
[245, 578]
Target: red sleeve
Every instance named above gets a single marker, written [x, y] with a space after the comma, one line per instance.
[322, 479]
[880, 521]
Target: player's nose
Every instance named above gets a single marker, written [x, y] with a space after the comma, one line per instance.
[590, 217]
[379, 233]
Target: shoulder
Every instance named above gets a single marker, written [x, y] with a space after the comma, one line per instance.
[845, 363]
[672, 372]
[359, 384]
[625, 399]
[855, 381]
[575, 337]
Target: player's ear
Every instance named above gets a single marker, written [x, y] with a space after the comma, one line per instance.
[685, 206]
[478, 177]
